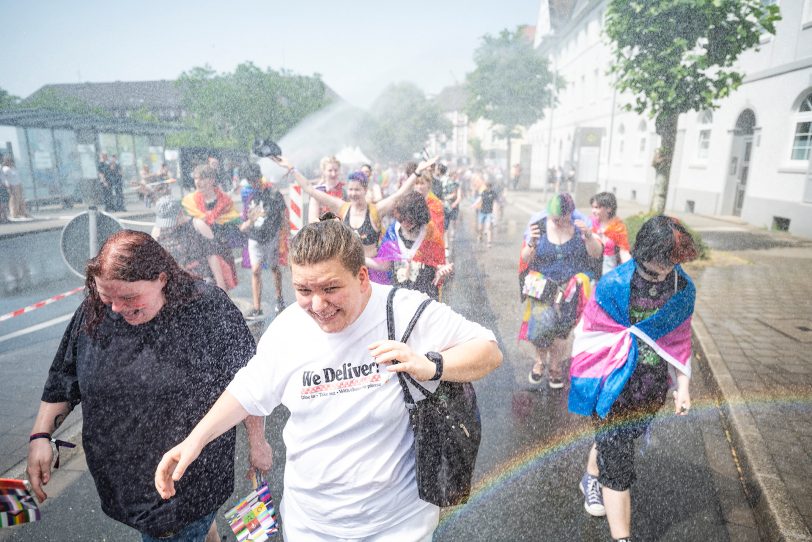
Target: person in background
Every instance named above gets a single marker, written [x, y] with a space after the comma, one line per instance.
[484, 205]
[116, 179]
[452, 197]
[610, 230]
[374, 192]
[104, 193]
[412, 253]
[4, 207]
[216, 209]
[11, 179]
[189, 240]
[422, 185]
[557, 247]
[222, 176]
[146, 354]
[268, 227]
[350, 472]
[515, 175]
[621, 378]
[330, 183]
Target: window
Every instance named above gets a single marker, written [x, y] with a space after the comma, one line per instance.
[705, 119]
[802, 140]
[621, 131]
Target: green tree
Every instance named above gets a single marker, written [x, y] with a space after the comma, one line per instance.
[7, 101]
[401, 120]
[675, 56]
[233, 109]
[511, 84]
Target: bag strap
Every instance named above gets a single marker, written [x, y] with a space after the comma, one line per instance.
[390, 326]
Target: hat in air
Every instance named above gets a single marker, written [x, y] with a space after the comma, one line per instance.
[167, 210]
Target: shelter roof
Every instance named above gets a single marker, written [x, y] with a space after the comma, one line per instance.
[50, 118]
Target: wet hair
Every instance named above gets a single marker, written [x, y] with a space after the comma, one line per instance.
[664, 240]
[442, 169]
[358, 177]
[410, 168]
[561, 205]
[253, 172]
[327, 239]
[606, 200]
[328, 160]
[131, 256]
[413, 208]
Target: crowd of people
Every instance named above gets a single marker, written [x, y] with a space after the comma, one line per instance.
[626, 306]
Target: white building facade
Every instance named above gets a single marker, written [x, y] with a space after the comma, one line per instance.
[749, 157]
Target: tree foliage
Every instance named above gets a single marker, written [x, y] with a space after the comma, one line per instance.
[401, 119]
[233, 109]
[511, 84]
[675, 56]
[7, 101]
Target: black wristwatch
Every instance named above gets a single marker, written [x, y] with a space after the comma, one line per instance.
[437, 359]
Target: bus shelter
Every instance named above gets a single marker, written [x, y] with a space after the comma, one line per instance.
[56, 153]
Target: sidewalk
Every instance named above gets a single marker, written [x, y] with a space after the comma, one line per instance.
[753, 333]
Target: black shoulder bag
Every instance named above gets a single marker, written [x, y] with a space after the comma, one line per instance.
[446, 427]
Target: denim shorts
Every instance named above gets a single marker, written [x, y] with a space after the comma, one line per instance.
[193, 532]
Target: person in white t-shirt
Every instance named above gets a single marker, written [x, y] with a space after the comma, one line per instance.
[350, 471]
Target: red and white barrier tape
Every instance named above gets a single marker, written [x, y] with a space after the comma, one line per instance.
[296, 207]
[40, 304]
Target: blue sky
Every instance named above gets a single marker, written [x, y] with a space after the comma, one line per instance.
[359, 46]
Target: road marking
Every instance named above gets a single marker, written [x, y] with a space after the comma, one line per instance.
[36, 327]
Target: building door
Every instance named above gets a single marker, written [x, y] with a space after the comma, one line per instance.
[739, 165]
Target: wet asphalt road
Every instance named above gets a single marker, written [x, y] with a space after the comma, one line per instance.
[532, 454]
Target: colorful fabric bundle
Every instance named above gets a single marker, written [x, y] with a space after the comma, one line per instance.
[427, 249]
[17, 505]
[604, 353]
[254, 518]
[223, 212]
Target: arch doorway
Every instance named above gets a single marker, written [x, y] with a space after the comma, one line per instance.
[739, 165]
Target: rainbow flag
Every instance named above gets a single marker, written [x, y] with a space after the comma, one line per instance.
[253, 519]
[604, 352]
[17, 505]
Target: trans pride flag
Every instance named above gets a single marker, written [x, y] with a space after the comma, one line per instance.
[604, 352]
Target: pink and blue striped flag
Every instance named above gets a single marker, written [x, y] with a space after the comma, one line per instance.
[604, 352]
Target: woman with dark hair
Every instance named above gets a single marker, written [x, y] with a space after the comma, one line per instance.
[633, 343]
[412, 253]
[556, 254]
[146, 354]
[610, 230]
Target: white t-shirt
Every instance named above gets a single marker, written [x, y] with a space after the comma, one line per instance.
[350, 455]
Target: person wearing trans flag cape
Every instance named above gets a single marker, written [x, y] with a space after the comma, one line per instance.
[633, 342]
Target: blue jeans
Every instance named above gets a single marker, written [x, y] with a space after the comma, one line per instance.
[193, 532]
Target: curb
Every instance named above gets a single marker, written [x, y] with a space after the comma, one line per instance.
[777, 518]
[71, 433]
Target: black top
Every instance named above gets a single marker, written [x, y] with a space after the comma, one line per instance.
[113, 174]
[367, 233]
[488, 196]
[143, 388]
[273, 202]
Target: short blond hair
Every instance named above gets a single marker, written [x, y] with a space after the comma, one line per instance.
[327, 239]
[329, 160]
